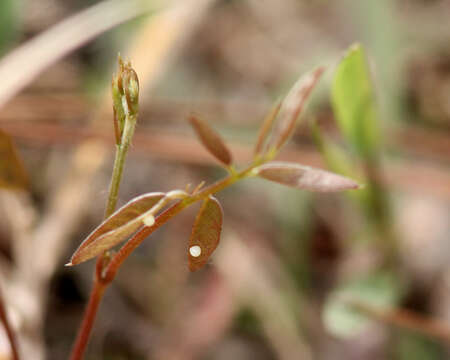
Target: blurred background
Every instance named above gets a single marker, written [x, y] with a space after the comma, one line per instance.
[297, 275]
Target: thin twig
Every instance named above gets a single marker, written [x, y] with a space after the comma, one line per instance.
[405, 319]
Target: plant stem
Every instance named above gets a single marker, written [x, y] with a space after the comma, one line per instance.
[99, 284]
[88, 320]
[137, 239]
[119, 161]
[9, 331]
[106, 273]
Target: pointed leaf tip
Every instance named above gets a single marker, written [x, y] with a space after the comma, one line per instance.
[205, 234]
[118, 227]
[211, 140]
[292, 106]
[305, 177]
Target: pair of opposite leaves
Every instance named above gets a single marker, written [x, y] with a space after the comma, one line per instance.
[207, 227]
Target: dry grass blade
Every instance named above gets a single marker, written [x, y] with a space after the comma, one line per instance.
[292, 107]
[205, 233]
[12, 172]
[16, 69]
[305, 177]
[265, 127]
[116, 228]
[211, 140]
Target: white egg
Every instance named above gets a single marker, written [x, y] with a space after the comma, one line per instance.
[195, 251]
[149, 220]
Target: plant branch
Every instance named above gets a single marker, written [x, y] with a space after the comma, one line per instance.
[125, 90]
[125, 251]
[99, 285]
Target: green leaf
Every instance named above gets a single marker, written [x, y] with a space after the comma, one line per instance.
[304, 177]
[205, 234]
[117, 228]
[12, 171]
[354, 102]
[380, 291]
[291, 108]
[211, 140]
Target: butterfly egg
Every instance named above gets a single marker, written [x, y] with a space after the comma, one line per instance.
[149, 220]
[195, 251]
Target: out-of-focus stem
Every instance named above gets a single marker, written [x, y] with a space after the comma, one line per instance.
[9, 331]
[405, 319]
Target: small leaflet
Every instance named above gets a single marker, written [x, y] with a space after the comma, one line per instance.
[205, 234]
[211, 140]
[117, 228]
[292, 106]
[305, 177]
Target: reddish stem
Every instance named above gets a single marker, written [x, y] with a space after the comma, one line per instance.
[103, 280]
[106, 271]
[8, 329]
[125, 251]
[88, 320]
[137, 239]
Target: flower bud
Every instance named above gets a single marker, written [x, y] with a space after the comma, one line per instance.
[125, 96]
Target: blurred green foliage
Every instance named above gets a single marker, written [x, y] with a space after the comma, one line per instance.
[353, 102]
[379, 290]
[413, 346]
[8, 23]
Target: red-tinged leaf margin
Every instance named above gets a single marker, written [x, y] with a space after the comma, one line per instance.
[116, 228]
[205, 232]
[265, 127]
[305, 177]
[12, 171]
[211, 140]
[292, 106]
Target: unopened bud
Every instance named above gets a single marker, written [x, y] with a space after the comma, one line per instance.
[125, 96]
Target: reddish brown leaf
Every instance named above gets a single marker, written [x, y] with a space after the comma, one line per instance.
[305, 177]
[117, 228]
[205, 233]
[265, 127]
[12, 172]
[292, 107]
[211, 140]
